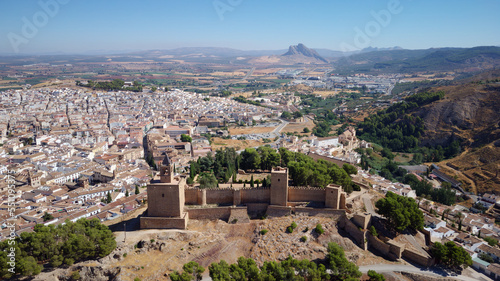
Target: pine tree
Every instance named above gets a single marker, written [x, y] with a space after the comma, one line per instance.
[126, 193]
[251, 181]
[108, 199]
[137, 189]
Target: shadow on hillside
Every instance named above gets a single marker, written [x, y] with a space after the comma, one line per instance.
[132, 224]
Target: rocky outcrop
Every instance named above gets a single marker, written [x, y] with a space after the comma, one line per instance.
[302, 50]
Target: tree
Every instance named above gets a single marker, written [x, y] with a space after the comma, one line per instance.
[350, 169]
[47, 217]
[374, 276]
[126, 193]
[207, 180]
[137, 189]
[251, 181]
[186, 138]
[297, 114]
[286, 115]
[108, 197]
[306, 130]
[451, 255]
[250, 159]
[491, 241]
[340, 267]
[459, 217]
[191, 271]
[401, 212]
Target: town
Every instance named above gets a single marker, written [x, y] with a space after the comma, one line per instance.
[69, 153]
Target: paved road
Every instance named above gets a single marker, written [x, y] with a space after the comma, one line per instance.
[368, 204]
[435, 272]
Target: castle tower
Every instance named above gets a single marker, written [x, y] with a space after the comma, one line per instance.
[166, 170]
[166, 200]
[279, 186]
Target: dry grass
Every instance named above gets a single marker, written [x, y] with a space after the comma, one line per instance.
[250, 130]
[298, 127]
[325, 93]
[237, 144]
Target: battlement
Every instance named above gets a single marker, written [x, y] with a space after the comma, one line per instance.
[307, 188]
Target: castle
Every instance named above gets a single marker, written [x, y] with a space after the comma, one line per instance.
[171, 203]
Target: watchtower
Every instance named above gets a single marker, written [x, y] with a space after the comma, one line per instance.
[279, 186]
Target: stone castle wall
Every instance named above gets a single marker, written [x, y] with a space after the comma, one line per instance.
[215, 213]
[256, 195]
[220, 196]
[304, 194]
[417, 257]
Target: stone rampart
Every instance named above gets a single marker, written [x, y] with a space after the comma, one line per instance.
[419, 258]
[304, 194]
[222, 213]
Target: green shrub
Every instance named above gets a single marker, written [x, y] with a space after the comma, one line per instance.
[373, 231]
[319, 229]
[263, 231]
[125, 255]
[137, 279]
[293, 225]
[75, 275]
[289, 229]
[152, 240]
[303, 238]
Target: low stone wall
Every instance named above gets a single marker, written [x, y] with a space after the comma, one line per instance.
[303, 194]
[278, 211]
[320, 212]
[378, 245]
[164, 223]
[358, 235]
[222, 213]
[257, 210]
[316, 157]
[238, 215]
[418, 258]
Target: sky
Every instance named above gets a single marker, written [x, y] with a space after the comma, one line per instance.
[90, 26]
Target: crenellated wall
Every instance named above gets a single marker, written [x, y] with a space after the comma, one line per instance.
[305, 194]
[220, 196]
[255, 195]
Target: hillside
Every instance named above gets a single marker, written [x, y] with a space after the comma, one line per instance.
[462, 117]
[408, 61]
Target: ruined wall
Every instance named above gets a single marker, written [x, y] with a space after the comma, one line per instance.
[220, 196]
[378, 245]
[418, 258]
[304, 194]
[222, 213]
[278, 211]
[320, 212]
[238, 215]
[339, 163]
[257, 210]
[362, 220]
[255, 195]
[358, 235]
[191, 196]
[164, 223]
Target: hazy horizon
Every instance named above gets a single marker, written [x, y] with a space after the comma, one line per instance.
[77, 27]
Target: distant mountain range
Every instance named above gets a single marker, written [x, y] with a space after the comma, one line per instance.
[369, 60]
